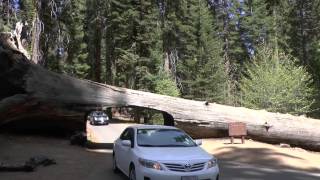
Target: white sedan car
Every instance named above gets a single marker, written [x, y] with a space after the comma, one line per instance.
[147, 152]
[98, 118]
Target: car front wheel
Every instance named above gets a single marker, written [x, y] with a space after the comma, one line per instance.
[132, 174]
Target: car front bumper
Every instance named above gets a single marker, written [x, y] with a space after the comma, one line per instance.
[100, 122]
[206, 174]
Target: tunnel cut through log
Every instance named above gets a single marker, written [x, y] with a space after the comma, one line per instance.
[35, 91]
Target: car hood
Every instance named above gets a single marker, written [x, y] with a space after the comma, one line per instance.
[174, 153]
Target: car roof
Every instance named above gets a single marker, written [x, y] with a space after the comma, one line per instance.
[144, 126]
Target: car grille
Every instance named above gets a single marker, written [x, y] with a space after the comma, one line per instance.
[185, 167]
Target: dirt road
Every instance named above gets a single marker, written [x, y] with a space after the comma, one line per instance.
[105, 134]
[251, 161]
[73, 162]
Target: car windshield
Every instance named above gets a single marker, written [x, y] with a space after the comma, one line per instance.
[163, 138]
[99, 114]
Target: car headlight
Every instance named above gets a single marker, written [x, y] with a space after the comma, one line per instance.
[212, 163]
[150, 164]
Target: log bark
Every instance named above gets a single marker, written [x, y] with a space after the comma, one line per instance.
[29, 90]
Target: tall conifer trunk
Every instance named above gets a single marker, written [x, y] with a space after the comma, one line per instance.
[36, 32]
[97, 55]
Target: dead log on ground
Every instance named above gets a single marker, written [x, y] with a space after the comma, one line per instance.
[29, 90]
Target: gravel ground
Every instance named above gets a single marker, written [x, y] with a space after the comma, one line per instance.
[249, 161]
[73, 162]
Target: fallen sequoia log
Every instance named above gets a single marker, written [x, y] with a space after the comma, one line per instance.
[28, 90]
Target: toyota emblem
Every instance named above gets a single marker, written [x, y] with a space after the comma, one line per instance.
[187, 167]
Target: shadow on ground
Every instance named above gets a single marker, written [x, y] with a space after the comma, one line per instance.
[260, 164]
[74, 162]
[94, 145]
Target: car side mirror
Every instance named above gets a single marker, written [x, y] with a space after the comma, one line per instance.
[198, 142]
[126, 143]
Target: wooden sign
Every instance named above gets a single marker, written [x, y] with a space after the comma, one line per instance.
[237, 129]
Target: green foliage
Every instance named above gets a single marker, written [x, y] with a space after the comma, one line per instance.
[189, 30]
[126, 64]
[195, 49]
[273, 82]
[209, 78]
[66, 31]
[157, 119]
[76, 63]
[231, 27]
[28, 12]
[7, 17]
[258, 24]
[166, 86]
[4, 27]
[133, 43]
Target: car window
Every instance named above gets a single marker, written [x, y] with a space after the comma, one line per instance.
[164, 138]
[125, 135]
[98, 114]
[131, 137]
[128, 134]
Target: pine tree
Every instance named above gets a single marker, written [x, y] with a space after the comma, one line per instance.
[62, 39]
[132, 43]
[299, 30]
[51, 39]
[76, 63]
[304, 31]
[228, 14]
[94, 29]
[279, 11]
[7, 19]
[174, 32]
[256, 23]
[121, 42]
[209, 81]
[193, 50]
[275, 83]
[149, 43]
[164, 84]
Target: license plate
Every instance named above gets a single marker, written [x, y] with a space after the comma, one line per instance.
[189, 178]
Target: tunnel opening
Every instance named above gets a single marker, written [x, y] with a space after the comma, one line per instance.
[60, 126]
[121, 118]
[142, 115]
[136, 115]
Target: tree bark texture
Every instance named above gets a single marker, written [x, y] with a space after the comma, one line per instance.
[28, 90]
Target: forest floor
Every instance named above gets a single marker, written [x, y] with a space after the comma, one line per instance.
[250, 161]
[251, 152]
[260, 154]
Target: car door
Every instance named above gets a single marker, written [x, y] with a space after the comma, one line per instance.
[122, 151]
[127, 156]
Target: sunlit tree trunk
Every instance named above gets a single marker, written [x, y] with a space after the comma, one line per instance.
[36, 55]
